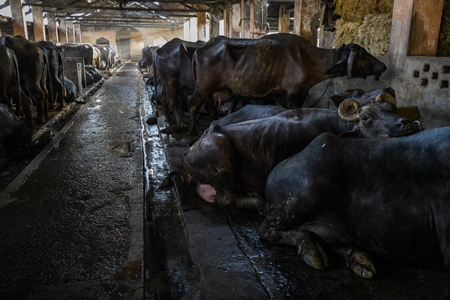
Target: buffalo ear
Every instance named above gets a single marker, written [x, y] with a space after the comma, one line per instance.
[351, 134]
[337, 99]
[338, 69]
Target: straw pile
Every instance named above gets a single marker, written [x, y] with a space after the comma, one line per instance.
[366, 23]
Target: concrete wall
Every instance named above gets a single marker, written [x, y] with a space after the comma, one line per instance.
[130, 41]
[421, 81]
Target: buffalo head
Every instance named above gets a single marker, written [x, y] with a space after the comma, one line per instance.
[354, 61]
[376, 119]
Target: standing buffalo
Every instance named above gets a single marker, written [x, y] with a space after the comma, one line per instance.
[173, 68]
[148, 56]
[274, 64]
[231, 163]
[105, 57]
[34, 72]
[389, 197]
[85, 51]
[10, 90]
[56, 68]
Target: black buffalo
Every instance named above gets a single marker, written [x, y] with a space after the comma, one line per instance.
[34, 72]
[14, 134]
[231, 163]
[173, 68]
[148, 56]
[85, 51]
[356, 197]
[274, 64]
[259, 111]
[71, 90]
[360, 95]
[10, 89]
[57, 92]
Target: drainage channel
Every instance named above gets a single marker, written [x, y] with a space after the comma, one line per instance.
[169, 270]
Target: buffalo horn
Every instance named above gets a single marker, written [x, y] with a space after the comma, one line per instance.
[347, 110]
[386, 97]
[351, 59]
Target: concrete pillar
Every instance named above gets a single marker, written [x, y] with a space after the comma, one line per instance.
[69, 32]
[425, 27]
[77, 29]
[52, 28]
[306, 19]
[284, 19]
[62, 31]
[38, 23]
[201, 26]
[236, 20]
[17, 18]
[400, 31]
[245, 19]
[215, 19]
[258, 18]
[74, 32]
[227, 20]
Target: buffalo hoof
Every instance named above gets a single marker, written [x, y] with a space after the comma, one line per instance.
[174, 129]
[168, 181]
[152, 121]
[360, 263]
[313, 254]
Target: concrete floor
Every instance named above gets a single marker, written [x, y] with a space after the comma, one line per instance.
[89, 219]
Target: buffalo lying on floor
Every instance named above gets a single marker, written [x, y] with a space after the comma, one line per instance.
[231, 163]
[71, 90]
[257, 111]
[389, 197]
[14, 134]
[274, 64]
[360, 95]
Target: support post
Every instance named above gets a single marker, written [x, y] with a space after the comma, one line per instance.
[284, 19]
[425, 27]
[38, 23]
[19, 26]
[52, 28]
[201, 26]
[306, 19]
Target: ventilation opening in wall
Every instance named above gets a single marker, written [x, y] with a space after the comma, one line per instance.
[434, 75]
[424, 82]
[416, 74]
[444, 84]
[426, 67]
[445, 69]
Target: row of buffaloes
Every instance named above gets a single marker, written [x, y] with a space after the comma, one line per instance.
[33, 82]
[361, 180]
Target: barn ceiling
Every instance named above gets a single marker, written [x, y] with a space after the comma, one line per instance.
[142, 13]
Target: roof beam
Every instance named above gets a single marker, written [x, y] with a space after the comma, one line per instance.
[110, 8]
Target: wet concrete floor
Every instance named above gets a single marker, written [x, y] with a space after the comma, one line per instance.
[92, 217]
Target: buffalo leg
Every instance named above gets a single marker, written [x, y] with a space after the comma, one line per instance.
[358, 261]
[307, 243]
[197, 100]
